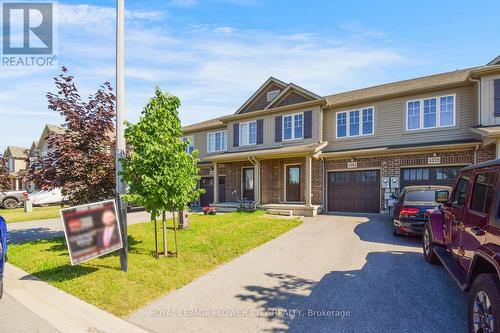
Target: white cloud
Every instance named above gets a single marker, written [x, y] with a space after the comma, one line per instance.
[213, 69]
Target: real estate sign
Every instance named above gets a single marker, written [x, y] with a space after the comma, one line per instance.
[91, 230]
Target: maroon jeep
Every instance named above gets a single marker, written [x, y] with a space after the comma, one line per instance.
[464, 235]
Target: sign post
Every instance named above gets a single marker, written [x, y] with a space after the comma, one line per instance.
[120, 130]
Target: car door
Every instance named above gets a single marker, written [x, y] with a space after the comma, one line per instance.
[476, 217]
[453, 215]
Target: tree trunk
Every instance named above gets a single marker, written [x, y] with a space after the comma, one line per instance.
[175, 235]
[156, 239]
[164, 224]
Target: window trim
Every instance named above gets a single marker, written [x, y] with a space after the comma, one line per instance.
[223, 132]
[348, 123]
[438, 113]
[293, 126]
[241, 143]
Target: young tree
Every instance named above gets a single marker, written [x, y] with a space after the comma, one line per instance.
[5, 183]
[80, 160]
[161, 174]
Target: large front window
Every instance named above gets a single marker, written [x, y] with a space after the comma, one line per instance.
[217, 141]
[293, 126]
[355, 123]
[430, 113]
[248, 133]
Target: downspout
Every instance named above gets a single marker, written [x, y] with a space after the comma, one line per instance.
[479, 118]
[475, 153]
[256, 163]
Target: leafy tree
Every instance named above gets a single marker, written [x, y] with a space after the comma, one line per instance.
[161, 174]
[80, 160]
[5, 183]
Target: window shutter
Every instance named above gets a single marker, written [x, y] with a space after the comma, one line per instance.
[236, 135]
[278, 128]
[307, 124]
[496, 98]
[260, 131]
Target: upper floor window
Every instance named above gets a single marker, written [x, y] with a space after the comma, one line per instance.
[11, 165]
[430, 113]
[355, 123]
[190, 140]
[217, 141]
[293, 126]
[248, 133]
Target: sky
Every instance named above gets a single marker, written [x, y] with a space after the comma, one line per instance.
[214, 54]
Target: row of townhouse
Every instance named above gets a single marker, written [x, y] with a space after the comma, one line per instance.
[286, 148]
[16, 157]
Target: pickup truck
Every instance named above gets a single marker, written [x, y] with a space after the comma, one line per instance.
[12, 199]
[463, 234]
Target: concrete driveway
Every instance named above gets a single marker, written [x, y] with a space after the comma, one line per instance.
[333, 273]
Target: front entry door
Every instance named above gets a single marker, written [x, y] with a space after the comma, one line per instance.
[248, 184]
[207, 198]
[292, 183]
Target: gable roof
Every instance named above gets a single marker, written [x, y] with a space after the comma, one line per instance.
[398, 88]
[49, 128]
[16, 152]
[495, 61]
[259, 92]
[289, 89]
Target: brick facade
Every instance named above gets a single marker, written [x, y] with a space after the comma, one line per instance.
[273, 171]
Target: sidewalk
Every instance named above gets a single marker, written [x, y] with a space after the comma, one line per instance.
[54, 309]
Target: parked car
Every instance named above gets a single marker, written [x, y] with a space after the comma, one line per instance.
[12, 199]
[3, 251]
[464, 235]
[46, 198]
[412, 208]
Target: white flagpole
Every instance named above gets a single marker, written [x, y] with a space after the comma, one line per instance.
[120, 129]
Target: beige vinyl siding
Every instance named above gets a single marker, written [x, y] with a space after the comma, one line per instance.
[390, 122]
[487, 101]
[269, 130]
[200, 141]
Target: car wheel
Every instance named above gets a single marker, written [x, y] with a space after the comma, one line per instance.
[428, 246]
[10, 203]
[484, 304]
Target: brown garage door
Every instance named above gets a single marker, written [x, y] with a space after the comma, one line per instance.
[207, 198]
[354, 191]
[445, 176]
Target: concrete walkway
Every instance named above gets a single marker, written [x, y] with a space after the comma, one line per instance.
[31, 305]
[333, 273]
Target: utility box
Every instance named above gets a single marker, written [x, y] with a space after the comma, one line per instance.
[183, 220]
[385, 182]
[394, 182]
[28, 206]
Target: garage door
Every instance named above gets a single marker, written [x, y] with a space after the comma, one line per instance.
[207, 198]
[354, 191]
[430, 176]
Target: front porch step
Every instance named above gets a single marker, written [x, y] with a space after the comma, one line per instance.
[282, 212]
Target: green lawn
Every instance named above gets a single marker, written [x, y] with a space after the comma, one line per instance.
[38, 213]
[210, 241]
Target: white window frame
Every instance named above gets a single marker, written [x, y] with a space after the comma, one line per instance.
[223, 143]
[189, 138]
[348, 123]
[293, 127]
[438, 113]
[248, 143]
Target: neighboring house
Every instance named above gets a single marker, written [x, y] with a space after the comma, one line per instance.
[16, 162]
[289, 149]
[43, 144]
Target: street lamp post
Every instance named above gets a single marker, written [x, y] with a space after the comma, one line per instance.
[120, 129]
